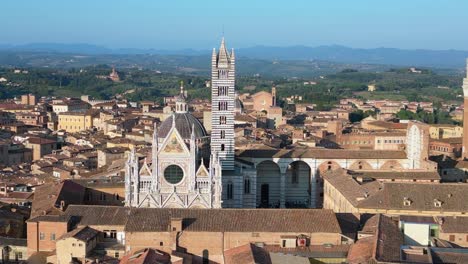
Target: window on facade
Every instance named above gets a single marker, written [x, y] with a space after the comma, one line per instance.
[452, 238]
[173, 174]
[102, 197]
[52, 236]
[230, 194]
[222, 134]
[222, 74]
[18, 255]
[223, 90]
[222, 106]
[222, 120]
[222, 147]
[247, 186]
[41, 236]
[80, 245]
[110, 234]
[116, 254]
[161, 243]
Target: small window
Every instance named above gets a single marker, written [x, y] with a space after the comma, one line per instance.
[116, 254]
[407, 202]
[247, 186]
[161, 243]
[73, 244]
[222, 147]
[19, 255]
[80, 245]
[230, 193]
[222, 120]
[52, 236]
[452, 238]
[41, 236]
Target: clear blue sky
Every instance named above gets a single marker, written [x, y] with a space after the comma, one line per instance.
[198, 24]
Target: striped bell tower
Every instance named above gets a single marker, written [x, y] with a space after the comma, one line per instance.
[223, 105]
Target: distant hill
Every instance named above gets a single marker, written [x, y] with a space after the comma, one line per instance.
[332, 53]
[341, 54]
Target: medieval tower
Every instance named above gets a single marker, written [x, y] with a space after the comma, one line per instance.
[223, 105]
[465, 114]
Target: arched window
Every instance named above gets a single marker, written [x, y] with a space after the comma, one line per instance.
[222, 134]
[230, 189]
[222, 147]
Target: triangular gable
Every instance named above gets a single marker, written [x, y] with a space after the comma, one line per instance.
[173, 199]
[149, 201]
[145, 170]
[174, 144]
[198, 200]
[202, 171]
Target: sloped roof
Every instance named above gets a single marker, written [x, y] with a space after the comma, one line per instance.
[322, 153]
[421, 195]
[47, 197]
[209, 220]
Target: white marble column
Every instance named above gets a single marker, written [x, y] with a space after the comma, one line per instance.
[313, 188]
[283, 189]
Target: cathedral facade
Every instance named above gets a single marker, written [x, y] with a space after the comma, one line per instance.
[176, 175]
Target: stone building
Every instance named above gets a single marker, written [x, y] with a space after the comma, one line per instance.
[77, 121]
[196, 234]
[264, 101]
[40, 146]
[176, 176]
[292, 177]
[28, 99]
[465, 114]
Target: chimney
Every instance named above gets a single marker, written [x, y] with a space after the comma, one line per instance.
[176, 225]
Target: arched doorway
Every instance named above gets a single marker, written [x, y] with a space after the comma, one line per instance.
[298, 185]
[268, 184]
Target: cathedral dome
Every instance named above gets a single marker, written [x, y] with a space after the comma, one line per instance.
[183, 124]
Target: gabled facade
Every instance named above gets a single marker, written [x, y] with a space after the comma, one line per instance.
[176, 176]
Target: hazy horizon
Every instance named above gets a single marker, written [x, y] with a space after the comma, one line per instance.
[199, 25]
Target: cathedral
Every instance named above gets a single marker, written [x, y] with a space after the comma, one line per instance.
[186, 164]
